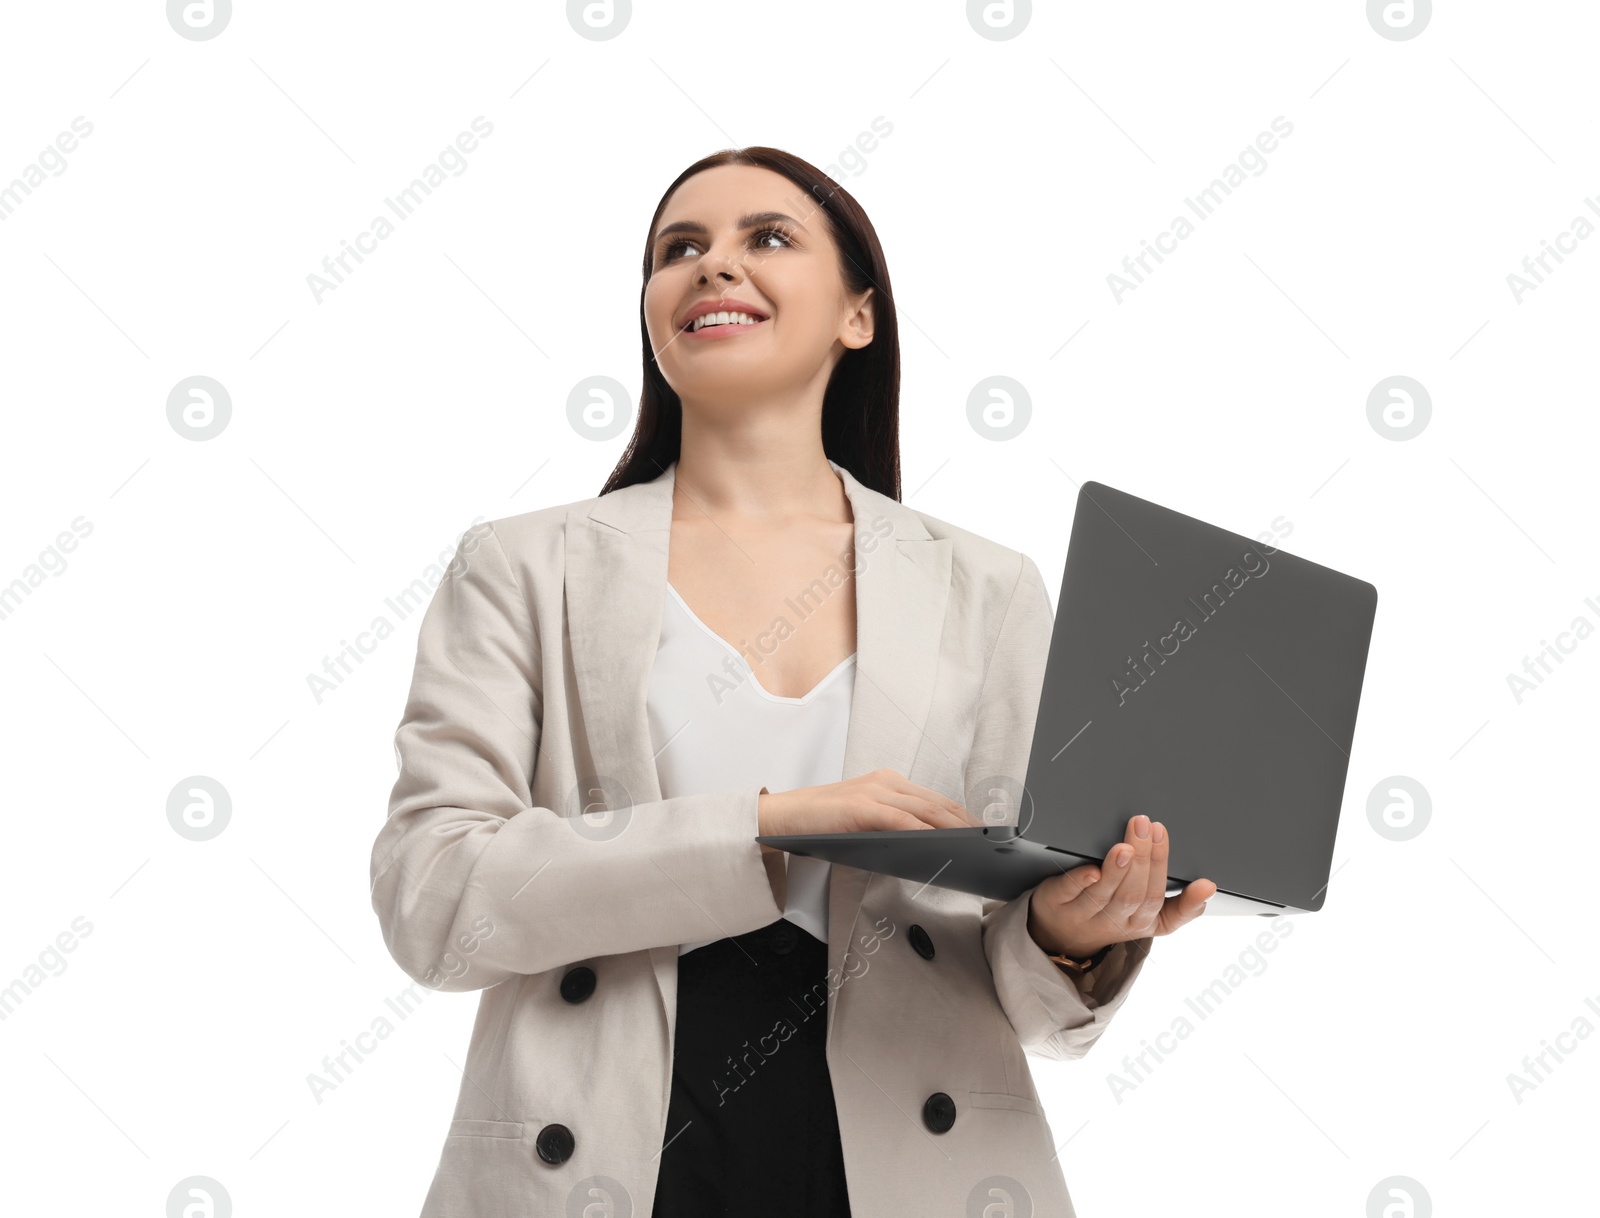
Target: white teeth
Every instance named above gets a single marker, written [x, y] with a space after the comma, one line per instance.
[722, 319]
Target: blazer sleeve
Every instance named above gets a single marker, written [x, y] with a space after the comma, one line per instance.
[472, 883]
[1055, 1014]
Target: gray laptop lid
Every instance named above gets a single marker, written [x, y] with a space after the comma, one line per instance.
[1208, 681]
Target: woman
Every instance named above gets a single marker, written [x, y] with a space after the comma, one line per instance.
[746, 632]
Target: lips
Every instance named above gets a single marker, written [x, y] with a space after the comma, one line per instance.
[717, 333]
[691, 329]
[728, 305]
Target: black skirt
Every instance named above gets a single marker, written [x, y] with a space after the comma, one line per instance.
[751, 1124]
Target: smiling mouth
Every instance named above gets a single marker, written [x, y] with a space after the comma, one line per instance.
[716, 335]
[690, 327]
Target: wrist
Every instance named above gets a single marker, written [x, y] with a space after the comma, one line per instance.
[1073, 950]
[1078, 966]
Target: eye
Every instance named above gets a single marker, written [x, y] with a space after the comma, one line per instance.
[669, 251]
[773, 232]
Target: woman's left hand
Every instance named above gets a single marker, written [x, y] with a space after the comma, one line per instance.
[1079, 912]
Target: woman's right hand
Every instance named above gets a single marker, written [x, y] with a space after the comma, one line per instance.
[883, 799]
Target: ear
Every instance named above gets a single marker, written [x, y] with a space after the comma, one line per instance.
[858, 326]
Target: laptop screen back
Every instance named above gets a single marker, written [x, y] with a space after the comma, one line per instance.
[1208, 681]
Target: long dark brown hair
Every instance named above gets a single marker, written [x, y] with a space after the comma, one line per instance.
[861, 405]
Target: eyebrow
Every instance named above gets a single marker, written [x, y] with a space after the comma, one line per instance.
[745, 222]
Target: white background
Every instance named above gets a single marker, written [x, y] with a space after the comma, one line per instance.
[369, 429]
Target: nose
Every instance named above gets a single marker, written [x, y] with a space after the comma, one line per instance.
[723, 263]
[723, 268]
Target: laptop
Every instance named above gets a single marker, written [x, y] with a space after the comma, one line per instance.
[1195, 675]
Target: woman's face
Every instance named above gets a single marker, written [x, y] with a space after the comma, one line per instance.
[745, 239]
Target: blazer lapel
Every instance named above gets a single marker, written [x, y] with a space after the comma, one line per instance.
[616, 577]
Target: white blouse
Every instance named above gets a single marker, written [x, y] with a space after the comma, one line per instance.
[714, 727]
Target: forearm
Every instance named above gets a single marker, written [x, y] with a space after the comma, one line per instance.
[681, 870]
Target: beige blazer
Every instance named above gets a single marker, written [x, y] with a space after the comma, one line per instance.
[528, 702]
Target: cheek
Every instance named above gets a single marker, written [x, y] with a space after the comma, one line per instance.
[657, 313]
[797, 303]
